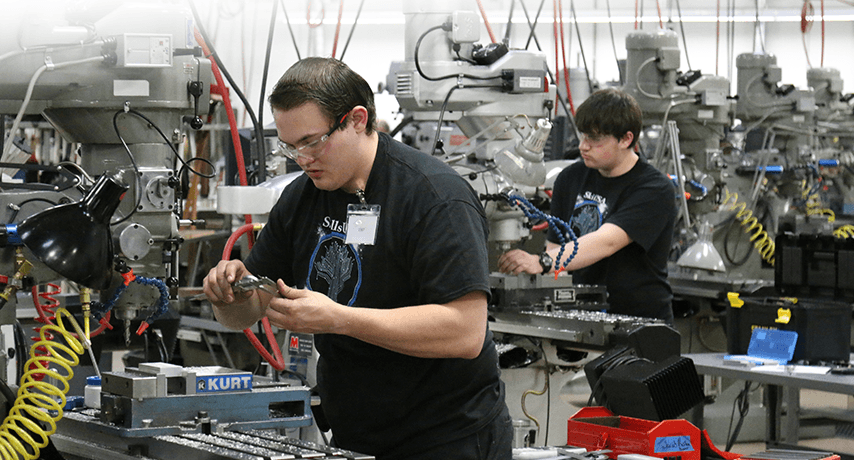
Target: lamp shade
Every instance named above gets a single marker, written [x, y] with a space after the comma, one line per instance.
[702, 254]
[74, 239]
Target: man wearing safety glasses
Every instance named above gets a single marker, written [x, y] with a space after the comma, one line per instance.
[380, 251]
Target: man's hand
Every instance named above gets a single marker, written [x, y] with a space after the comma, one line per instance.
[517, 261]
[233, 310]
[302, 310]
[217, 285]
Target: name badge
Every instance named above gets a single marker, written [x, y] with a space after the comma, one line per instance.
[362, 221]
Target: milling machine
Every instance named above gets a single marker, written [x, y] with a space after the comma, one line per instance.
[98, 99]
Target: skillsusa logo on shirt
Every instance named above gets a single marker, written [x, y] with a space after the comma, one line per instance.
[335, 268]
[589, 213]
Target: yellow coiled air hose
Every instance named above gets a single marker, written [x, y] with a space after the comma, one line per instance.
[813, 203]
[38, 401]
[758, 236]
[845, 231]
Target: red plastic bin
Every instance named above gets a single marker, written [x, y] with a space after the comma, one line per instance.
[597, 428]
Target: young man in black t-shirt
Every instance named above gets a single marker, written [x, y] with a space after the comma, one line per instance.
[380, 251]
[621, 208]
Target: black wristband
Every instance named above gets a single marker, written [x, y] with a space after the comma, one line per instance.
[546, 262]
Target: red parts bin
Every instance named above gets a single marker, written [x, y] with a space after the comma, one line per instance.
[597, 428]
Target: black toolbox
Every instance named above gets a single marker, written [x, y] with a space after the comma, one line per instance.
[823, 326]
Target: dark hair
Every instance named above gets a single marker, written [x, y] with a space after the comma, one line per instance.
[610, 112]
[329, 83]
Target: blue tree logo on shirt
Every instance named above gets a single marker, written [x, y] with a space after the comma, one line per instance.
[335, 269]
[589, 212]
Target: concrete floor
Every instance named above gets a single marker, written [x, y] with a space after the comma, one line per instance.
[824, 434]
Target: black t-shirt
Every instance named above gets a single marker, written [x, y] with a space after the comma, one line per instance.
[642, 203]
[430, 248]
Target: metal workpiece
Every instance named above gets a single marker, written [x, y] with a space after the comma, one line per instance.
[275, 444]
[237, 446]
[176, 446]
[310, 446]
[581, 328]
[246, 445]
[543, 292]
[82, 434]
[251, 282]
[131, 384]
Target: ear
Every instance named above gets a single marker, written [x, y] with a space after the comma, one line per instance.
[359, 117]
[626, 140]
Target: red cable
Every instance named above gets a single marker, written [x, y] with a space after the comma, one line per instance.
[312, 25]
[557, 59]
[275, 359]
[807, 12]
[337, 27]
[718, 38]
[232, 123]
[229, 244]
[660, 21]
[822, 33]
[50, 305]
[235, 137]
[565, 68]
[636, 14]
[486, 21]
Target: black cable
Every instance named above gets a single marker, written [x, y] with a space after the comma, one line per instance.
[266, 71]
[21, 347]
[743, 403]
[21, 204]
[350, 35]
[460, 57]
[548, 394]
[418, 64]
[298, 376]
[441, 116]
[509, 27]
[186, 166]
[406, 120]
[136, 172]
[580, 45]
[682, 28]
[172, 146]
[734, 227]
[614, 42]
[442, 111]
[259, 131]
[731, 33]
[291, 30]
[757, 28]
[446, 77]
[534, 25]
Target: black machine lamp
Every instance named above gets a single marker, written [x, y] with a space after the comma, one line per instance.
[74, 239]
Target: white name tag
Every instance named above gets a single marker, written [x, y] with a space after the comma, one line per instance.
[362, 221]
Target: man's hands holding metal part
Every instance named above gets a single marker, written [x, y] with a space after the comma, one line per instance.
[240, 299]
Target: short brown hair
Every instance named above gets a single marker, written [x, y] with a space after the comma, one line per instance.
[610, 112]
[329, 83]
